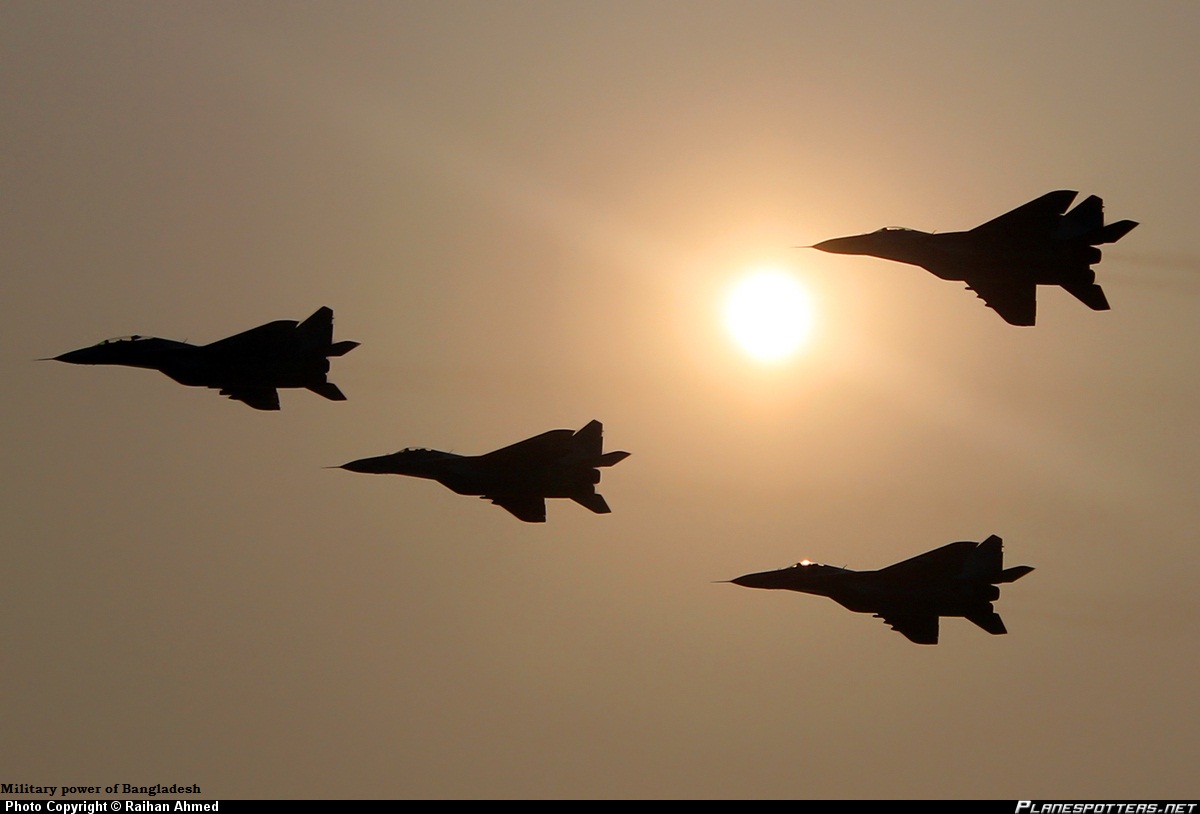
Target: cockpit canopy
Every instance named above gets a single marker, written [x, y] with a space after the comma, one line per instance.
[895, 229]
[816, 566]
[131, 338]
[420, 454]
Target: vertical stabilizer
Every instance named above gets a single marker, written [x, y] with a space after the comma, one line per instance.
[591, 438]
[318, 329]
[986, 560]
[1085, 218]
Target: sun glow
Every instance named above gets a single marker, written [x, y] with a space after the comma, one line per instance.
[768, 315]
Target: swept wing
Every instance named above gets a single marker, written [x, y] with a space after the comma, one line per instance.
[273, 334]
[919, 627]
[1013, 299]
[260, 398]
[535, 451]
[946, 562]
[1037, 218]
[530, 508]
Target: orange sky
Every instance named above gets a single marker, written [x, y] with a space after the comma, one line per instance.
[528, 213]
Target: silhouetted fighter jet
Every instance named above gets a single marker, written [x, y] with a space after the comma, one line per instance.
[958, 579]
[1006, 259]
[247, 367]
[558, 463]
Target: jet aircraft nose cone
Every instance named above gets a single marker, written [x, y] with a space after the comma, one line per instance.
[785, 578]
[82, 356]
[840, 245]
[367, 465]
[381, 465]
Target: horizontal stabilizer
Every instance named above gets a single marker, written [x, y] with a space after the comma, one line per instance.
[1013, 574]
[592, 501]
[341, 348]
[1113, 232]
[610, 458]
[989, 620]
[329, 390]
[1089, 294]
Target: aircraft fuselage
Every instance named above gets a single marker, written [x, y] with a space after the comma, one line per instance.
[962, 256]
[1004, 260]
[472, 475]
[249, 367]
[201, 366]
[958, 579]
[518, 478]
[873, 592]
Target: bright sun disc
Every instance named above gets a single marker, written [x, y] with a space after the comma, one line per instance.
[768, 314]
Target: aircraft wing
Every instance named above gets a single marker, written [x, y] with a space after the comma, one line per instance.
[254, 340]
[1014, 300]
[941, 563]
[1039, 216]
[531, 509]
[260, 398]
[532, 452]
[921, 628]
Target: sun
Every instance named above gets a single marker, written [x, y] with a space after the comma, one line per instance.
[768, 314]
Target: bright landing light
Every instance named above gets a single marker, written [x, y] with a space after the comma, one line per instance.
[768, 314]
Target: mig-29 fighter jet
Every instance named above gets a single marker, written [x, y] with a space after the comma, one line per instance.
[1006, 259]
[246, 367]
[519, 478]
[958, 579]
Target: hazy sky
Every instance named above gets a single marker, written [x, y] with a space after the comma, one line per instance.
[528, 214]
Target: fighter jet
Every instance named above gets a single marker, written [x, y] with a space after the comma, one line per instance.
[1006, 259]
[519, 478]
[247, 367]
[958, 579]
